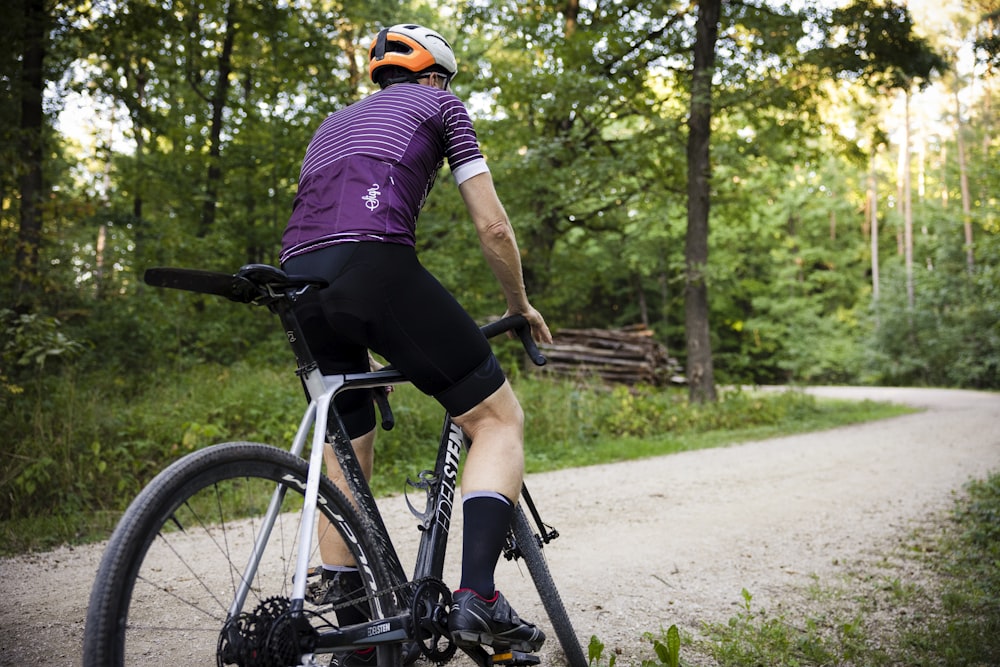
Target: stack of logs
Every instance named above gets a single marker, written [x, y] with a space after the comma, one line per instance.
[617, 356]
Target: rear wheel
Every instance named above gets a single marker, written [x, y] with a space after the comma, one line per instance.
[528, 545]
[165, 588]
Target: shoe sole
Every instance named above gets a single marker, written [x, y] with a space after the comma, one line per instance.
[473, 638]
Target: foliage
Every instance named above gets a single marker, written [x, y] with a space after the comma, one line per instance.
[970, 633]
[753, 637]
[876, 42]
[582, 116]
[84, 443]
[586, 413]
[952, 336]
[30, 340]
[950, 617]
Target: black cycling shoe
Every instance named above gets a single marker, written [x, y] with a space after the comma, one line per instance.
[363, 658]
[335, 587]
[474, 620]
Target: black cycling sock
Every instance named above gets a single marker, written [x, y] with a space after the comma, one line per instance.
[352, 587]
[350, 616]
[486, 519]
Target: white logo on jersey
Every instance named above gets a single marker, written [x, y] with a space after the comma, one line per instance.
[371, 199]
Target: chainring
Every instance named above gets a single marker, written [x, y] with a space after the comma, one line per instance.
[431, 601]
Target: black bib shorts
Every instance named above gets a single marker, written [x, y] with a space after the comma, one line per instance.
[382, 299]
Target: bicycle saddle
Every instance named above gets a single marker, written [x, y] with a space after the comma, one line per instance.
[250, 283]
[265, 275]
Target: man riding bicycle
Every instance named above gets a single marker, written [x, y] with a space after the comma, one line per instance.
[364, 178]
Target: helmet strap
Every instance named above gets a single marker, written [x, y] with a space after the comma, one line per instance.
[398, 75]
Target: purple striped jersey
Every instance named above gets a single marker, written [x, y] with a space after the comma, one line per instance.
[369, 167]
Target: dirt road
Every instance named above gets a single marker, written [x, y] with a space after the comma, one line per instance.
[669, 540]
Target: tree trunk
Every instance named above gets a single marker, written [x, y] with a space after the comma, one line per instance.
[572, 12]
[873, 223]
[139, 129]
[908, 210]
[31, 182]
[641, 299]
[700, 373]
[218, 101]
[102, 239]
[964, 178]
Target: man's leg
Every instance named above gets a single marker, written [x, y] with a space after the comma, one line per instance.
[491, 484]
[339, 565]
[496, 462]
[332, 549]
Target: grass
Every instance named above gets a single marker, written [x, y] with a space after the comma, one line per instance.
[936, 601]
[83, 446]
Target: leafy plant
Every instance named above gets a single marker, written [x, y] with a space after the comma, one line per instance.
[91, 442]
[667, 649]
[595, 653]
[756, 638]
[31, 340]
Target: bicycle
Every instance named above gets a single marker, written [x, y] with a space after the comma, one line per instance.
[240, 596]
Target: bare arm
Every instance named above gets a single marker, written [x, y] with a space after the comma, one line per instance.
[499, 246]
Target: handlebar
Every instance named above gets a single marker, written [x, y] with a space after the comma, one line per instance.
[519, 325]
[516, 323]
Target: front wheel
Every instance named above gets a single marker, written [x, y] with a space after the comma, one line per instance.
[528, 545]
[165, 590]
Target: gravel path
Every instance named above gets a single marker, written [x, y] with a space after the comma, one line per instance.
[650, 543]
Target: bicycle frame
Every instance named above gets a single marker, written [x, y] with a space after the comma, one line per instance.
[440, 485]
[264, 285]
[322, 390]
[441, 488]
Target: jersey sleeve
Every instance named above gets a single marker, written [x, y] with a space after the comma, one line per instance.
[462, 144]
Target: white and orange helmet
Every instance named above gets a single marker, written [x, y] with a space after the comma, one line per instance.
[413, 48]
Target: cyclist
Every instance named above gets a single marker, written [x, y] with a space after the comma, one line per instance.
[364, 178]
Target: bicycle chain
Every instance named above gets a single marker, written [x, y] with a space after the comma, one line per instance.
[414, 584]
[259, 639]
[433, 653]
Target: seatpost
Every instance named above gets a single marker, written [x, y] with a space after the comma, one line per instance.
[306, 366]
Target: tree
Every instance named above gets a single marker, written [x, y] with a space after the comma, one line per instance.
[587, 114]
[700, 373]
[218, 101]
[875, 42]
[31, 84]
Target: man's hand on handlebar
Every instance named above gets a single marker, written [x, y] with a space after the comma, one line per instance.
[539, 329]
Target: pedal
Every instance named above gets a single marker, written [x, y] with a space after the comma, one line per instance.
[515, 658]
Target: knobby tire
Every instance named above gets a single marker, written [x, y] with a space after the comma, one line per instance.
[155, 601]
[541, 575]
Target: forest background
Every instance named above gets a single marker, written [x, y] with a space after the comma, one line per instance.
[783, 193]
